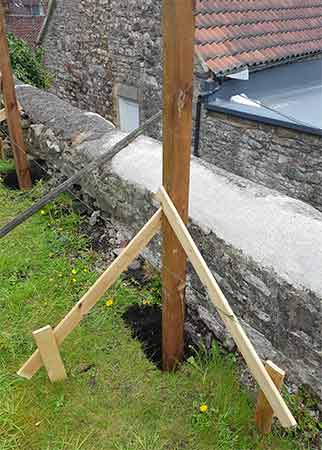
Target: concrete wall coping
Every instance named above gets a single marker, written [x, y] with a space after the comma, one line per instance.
[277, 231]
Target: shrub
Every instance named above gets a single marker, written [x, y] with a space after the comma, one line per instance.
[27, 64]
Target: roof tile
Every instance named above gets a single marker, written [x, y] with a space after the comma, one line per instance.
[235, 33]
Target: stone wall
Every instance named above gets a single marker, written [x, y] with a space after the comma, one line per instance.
[264, 248]
[280, 158]
[93, 47]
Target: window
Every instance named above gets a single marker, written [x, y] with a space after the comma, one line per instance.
[37, 10]
[129, 114]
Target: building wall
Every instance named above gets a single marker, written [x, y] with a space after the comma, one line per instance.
[98, 48]
[24, 7]
[287, 160]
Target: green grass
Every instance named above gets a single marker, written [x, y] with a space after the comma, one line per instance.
[6, 165]
[122, 402]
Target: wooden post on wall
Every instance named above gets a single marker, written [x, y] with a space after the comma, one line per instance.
[12, 110]
[178, 39]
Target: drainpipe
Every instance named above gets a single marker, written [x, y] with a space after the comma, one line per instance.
[50, 9]
[208, 88]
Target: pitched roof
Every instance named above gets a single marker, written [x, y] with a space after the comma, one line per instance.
[231, 34]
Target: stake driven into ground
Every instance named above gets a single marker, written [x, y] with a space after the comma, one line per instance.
[114, 397]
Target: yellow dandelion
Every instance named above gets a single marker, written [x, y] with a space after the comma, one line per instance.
[42, 212]
[85, 270]
[146, 302]
[203, 408]
[74, 271]
[109, 302]
[74, 280]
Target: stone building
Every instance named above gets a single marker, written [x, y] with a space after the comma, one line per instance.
[106, 56]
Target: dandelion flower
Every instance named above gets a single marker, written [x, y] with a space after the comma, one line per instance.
[109, 302]
[85, 270]
[203, 408]
[74, 271]
[42, 212]
[74, 280]
[146, 302]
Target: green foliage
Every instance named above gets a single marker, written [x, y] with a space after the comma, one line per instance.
[6, 165]
[28, 64]
[309, 429]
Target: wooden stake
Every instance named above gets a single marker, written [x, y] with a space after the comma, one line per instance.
[226, 313]
[3, 115]
[264, 412]
[49, 352]
[12, 111]
[178, 36]
[2, 151]
[92, 296]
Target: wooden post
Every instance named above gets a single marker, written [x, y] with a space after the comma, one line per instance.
[12, 111]
[49, 352]
[264, 412]
[178, 38]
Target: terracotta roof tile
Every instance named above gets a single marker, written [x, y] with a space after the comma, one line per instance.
[235, 33]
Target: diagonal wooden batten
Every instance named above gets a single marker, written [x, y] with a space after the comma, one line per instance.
[220, 302]
[107, 279]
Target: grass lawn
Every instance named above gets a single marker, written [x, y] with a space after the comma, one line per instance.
[114, 398]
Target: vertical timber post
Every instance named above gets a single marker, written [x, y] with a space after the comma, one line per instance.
[12, 111]
[178, 43]
[49, 352]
